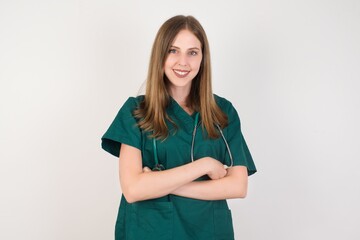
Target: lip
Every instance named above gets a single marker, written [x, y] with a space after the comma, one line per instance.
[181, 73]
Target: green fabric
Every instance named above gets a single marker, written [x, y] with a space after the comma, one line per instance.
[174, 217]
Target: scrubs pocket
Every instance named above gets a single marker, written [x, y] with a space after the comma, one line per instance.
[152, 220]
[223, 224]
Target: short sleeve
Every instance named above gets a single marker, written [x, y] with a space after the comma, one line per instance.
[239, 149]
[123, 129]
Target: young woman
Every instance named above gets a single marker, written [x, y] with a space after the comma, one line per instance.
[181, 151]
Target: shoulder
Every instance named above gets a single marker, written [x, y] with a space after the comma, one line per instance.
[227, 107]
[223, 103]
[133, 102]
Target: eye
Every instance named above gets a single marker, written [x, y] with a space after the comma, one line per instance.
[172, 50]
[193, 53]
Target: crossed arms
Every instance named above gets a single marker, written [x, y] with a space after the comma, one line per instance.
[138, 183]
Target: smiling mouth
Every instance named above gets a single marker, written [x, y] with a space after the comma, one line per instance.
[181, 73]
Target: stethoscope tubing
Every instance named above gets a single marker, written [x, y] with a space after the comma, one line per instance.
[222, 136]
[159, 167]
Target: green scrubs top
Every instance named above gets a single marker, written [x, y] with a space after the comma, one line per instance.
[174, 217]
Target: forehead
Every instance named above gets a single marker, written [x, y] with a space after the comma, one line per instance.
[186, 39]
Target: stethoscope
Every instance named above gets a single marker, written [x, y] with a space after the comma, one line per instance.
[160, 167]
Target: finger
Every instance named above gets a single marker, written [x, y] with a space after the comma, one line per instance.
[146, 169]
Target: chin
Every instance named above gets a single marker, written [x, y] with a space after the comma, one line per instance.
[180, 83]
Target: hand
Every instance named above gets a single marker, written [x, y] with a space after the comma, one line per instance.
[215, 168]
[146, 169]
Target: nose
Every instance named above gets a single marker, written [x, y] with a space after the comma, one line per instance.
[182, 61]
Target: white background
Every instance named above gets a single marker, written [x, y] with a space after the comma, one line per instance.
[291, 68]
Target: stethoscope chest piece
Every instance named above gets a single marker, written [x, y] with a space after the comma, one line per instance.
[158, 167]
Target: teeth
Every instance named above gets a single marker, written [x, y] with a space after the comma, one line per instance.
[181, 73]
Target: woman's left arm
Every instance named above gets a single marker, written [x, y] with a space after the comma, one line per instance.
[233, 185]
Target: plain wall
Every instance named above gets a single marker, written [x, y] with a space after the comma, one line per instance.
[291, 68]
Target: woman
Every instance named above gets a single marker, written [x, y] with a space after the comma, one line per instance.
[181, 151]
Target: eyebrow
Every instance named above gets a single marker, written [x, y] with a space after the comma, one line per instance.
[193, 48]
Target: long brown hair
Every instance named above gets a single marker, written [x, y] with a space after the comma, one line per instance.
[152, 110]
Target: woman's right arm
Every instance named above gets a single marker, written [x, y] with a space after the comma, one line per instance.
[137, 185]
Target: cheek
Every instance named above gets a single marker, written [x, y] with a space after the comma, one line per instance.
[195, 63]
[170, 61]
[167, 72]
[168, 66]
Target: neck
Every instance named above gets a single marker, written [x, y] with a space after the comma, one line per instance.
[180, 95]
[182, 98]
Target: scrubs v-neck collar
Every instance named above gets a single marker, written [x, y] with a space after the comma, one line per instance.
[185, 119]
